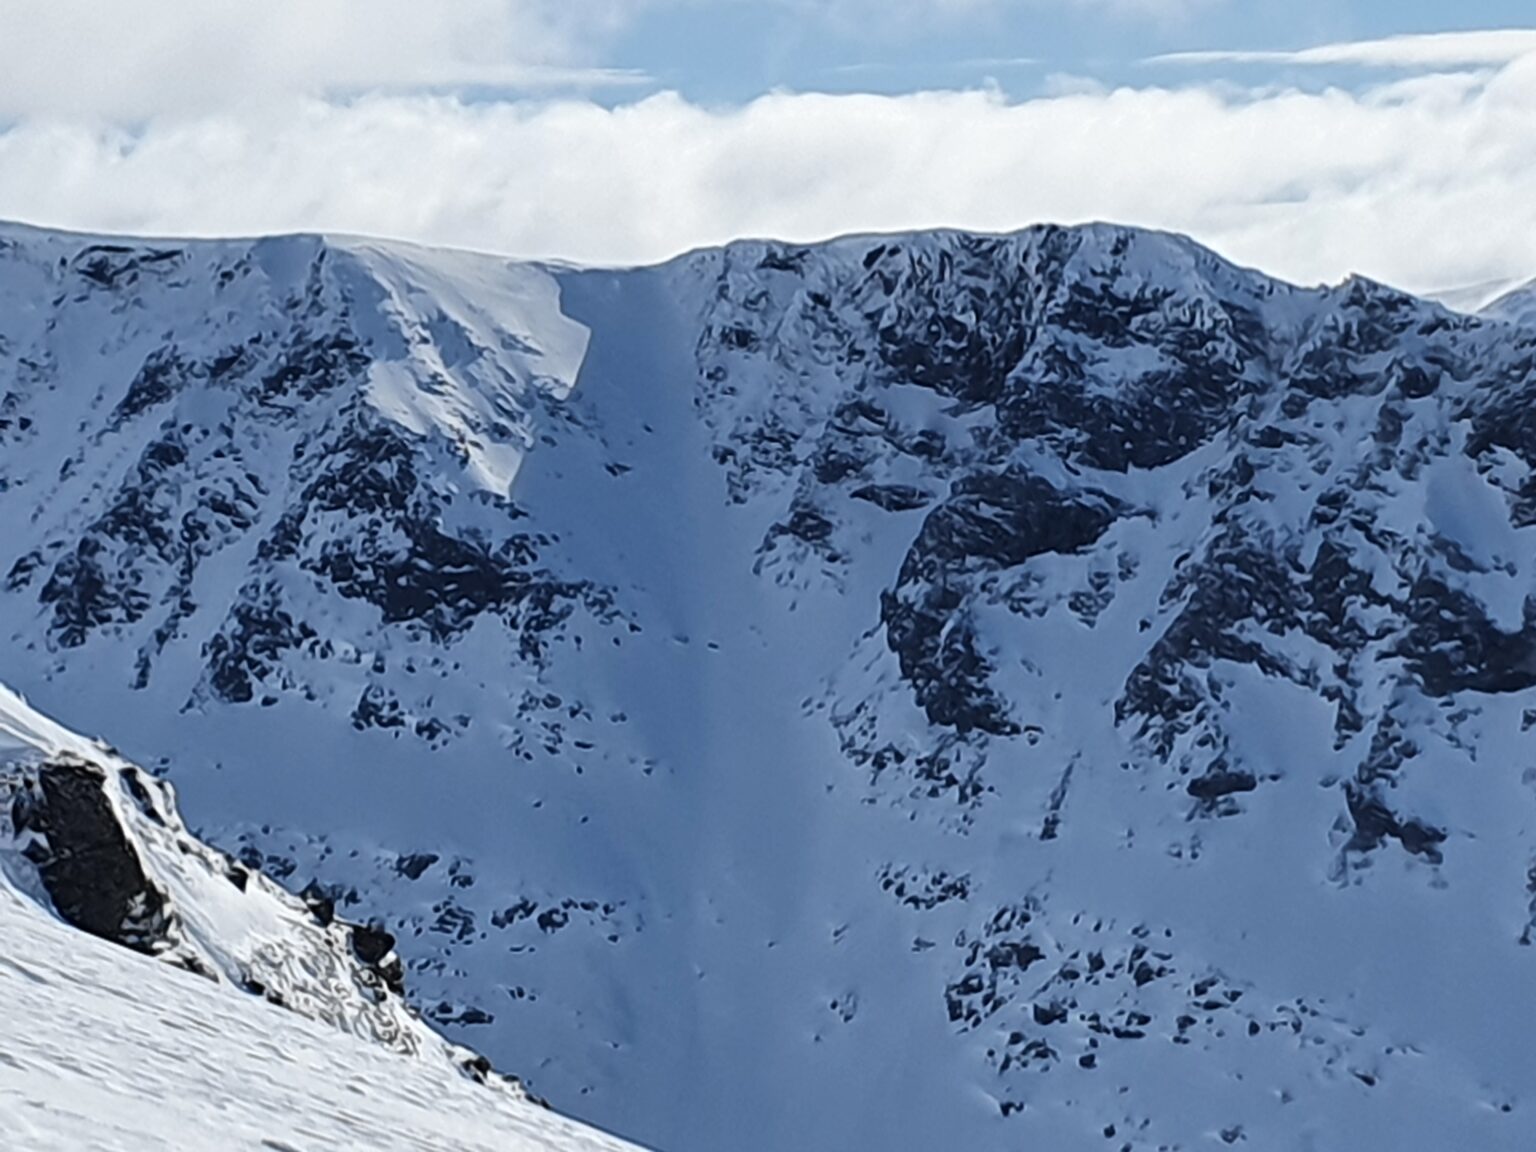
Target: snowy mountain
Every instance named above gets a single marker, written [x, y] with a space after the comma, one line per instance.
[1516, 306]
[910, 692]
[1474, 298]
[282, 1027]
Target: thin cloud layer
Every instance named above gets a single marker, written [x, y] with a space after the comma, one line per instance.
[1429, 182]
[910, 10]
[1435, 50]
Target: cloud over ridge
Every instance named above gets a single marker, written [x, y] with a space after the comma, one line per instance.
[1427, 180]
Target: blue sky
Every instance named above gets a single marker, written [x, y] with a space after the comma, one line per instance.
[1311, 138]
[733, 50]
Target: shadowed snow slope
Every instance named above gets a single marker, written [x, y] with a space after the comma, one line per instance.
[264, 1030]
[1054, 690]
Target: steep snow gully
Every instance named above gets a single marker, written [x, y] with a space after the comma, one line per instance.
[909, 692]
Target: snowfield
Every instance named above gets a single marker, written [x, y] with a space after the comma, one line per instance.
[1056, 690]
[103, 1049]
[106, 1051]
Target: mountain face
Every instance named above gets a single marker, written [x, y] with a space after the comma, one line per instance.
[937, 691]
[284, 1026]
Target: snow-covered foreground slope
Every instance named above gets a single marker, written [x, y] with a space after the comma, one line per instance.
[218, 1011]
[91, 836]
[113, 1052]
[935, 691]
[160, 1037]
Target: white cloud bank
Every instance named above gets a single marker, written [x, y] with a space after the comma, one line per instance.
[126, 60]
[129, 59]
[1429, 182]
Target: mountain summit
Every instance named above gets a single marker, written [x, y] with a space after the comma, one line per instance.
[909, 692]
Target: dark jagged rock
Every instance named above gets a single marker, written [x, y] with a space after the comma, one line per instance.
[374, 947]
[157, 381]
[1452, 645]
[894, 497]
[321, 904]
[989, 522]
[1005, 519]
[1375, 822]
[250, 647]
[87, 865]
[954, 324]
[312, 365]
[414, 866]
[1216, 784]
[115, 266]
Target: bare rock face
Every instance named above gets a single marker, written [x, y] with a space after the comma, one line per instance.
[989, 523]
[88, 866]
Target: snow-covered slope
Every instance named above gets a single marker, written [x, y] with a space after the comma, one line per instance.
[1473, 298]
[1515, 306]
[933, 691]
[207, 1008]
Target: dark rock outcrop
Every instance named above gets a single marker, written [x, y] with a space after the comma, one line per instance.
[90, 870]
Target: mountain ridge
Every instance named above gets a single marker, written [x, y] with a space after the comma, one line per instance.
[887, 647]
